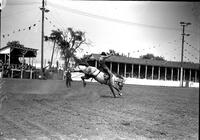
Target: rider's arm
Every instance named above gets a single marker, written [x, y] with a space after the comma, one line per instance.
[87, 57]
[107, 56]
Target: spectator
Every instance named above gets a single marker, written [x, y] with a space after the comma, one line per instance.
[1, 69]
[8, 71]
[68, 78]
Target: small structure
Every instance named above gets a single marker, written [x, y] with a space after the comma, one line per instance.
[10, 55]
[149, 69]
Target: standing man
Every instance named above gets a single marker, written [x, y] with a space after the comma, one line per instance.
[1, 69]
[68, 77]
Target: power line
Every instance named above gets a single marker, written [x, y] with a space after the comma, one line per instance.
[114, 20]
[191, 46]
[102, 17]
[19, 12]
[22, 3]
[50, 22]
[190, 54]
[25, 28]
[78, 12]
[171, 52]
[166, 53]
[56, 19]
[19, 30]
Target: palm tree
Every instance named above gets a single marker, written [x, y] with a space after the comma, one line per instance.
[69, 44]
[55, 37]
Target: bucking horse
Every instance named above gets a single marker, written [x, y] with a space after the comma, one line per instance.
[116, 81]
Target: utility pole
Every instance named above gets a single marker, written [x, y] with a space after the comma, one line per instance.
[0, 27]
[2, 5]
[183, 24]
[43, 9]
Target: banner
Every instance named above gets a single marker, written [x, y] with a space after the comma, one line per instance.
[19, 30]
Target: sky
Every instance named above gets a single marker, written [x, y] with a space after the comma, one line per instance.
[133, 28]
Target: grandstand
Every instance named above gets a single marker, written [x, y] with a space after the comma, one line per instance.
[12, 67]
[150, 69]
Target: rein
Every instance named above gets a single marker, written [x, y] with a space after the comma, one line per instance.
[97, 73]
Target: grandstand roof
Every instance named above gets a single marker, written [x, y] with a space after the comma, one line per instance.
[130, 60]
[19, 51]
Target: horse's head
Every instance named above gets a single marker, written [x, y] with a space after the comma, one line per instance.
[120, 81]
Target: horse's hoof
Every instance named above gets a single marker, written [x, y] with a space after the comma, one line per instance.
[120, 93]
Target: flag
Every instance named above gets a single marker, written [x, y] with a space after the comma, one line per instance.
[2, 4]
[36, 29]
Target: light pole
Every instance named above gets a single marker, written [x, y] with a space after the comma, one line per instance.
[183, 24]
[0, 28]
[2, 5]
[43, 9]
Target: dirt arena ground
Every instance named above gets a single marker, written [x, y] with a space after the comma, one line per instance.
[91, 113]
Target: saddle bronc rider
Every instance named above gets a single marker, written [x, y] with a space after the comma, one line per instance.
[103, 67]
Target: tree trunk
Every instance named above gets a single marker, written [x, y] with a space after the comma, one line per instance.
[54, 44]
[67, 63]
